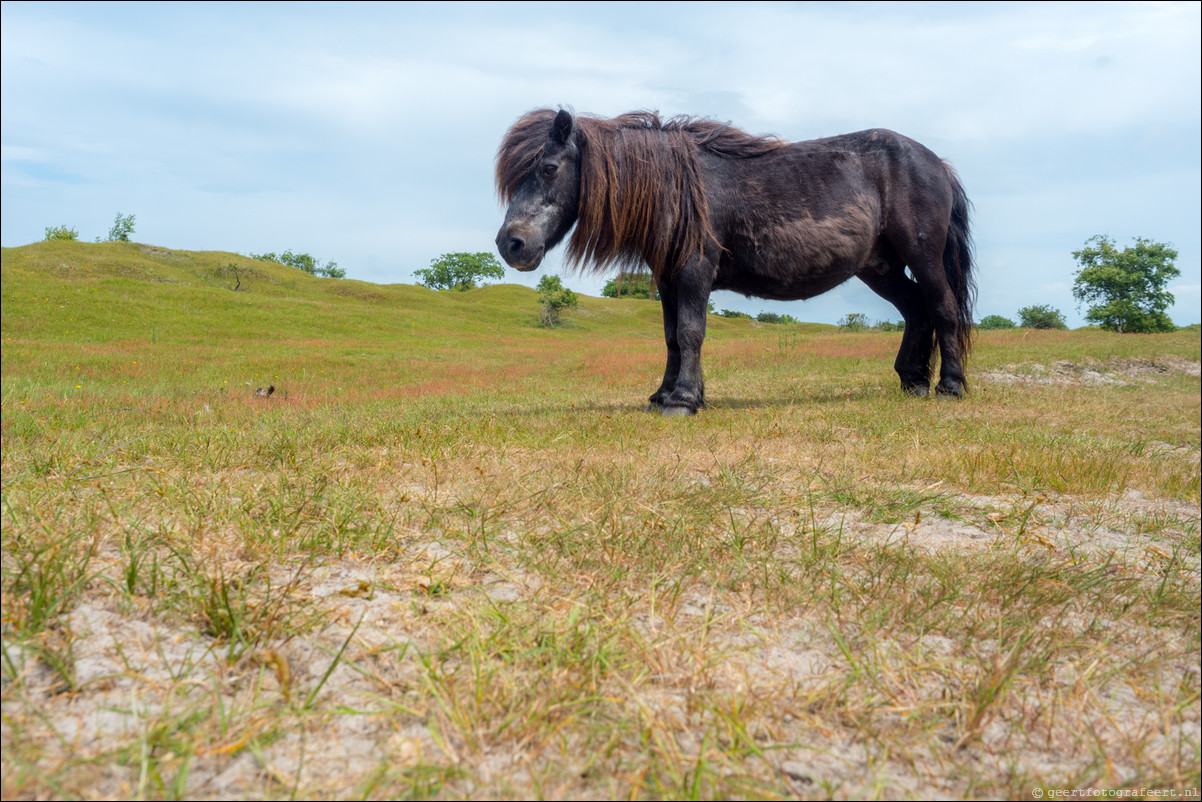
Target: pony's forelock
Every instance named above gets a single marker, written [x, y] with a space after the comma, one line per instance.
[520, 151]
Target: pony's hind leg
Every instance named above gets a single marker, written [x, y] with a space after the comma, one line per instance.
[913, 363]
[941, 301]
[952, 382]
[924, 256]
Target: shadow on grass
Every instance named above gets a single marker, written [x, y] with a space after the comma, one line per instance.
[822, 396]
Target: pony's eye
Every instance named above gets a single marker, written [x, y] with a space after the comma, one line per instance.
[548, 170]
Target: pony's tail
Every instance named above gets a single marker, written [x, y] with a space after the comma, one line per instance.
[958, 263]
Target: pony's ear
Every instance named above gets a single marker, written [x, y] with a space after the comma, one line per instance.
[561, 128]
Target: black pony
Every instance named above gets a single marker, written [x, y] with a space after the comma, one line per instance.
[708, 207]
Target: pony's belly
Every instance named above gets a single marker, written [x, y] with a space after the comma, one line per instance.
[797, 284]
[797, 256]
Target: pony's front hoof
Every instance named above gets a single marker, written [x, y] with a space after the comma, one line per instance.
[949, 390]
[673, 412]
[654, 406]
[917, 390]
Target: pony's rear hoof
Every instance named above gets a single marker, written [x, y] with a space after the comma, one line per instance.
[673, 412]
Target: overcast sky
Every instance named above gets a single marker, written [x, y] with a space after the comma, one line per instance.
[366, 133]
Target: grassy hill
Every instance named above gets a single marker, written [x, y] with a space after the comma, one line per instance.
[112, 301]
[133, 293]
[451, 556]
[213, 319]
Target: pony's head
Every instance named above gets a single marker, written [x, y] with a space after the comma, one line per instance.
[538, 175]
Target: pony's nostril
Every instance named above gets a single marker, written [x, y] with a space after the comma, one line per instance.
[516, 244]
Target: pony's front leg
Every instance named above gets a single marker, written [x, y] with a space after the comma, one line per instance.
[667, 297]
[685, 302]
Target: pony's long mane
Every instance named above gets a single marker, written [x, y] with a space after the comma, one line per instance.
[642, 197]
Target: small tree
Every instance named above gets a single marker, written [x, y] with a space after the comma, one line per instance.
[1041, 317]
[331, 270]
[995, 322]
[773, 317]
[460, 271]
[554, 299]
[1127, 287]
[854, 321]
[303, 262]
[733, 314]
[62, 233]
[123, 226]
[631, 285]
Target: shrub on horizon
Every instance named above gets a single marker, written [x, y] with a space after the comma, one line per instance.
[62, 233]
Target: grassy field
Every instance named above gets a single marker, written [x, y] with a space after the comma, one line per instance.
[450, 556]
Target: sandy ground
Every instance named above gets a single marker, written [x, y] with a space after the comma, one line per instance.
[138, 677]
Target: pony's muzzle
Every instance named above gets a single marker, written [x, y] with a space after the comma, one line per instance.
[515, 250]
